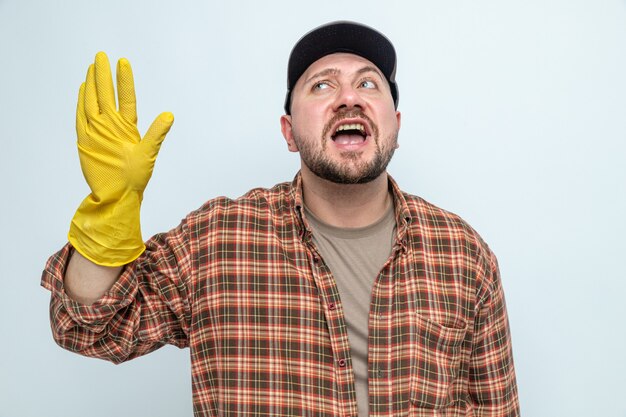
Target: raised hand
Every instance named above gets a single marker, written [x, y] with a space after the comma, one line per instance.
[116, 162]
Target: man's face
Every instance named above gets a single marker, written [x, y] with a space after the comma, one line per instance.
[343, 121]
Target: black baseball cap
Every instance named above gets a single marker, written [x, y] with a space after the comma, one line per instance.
[342, 36]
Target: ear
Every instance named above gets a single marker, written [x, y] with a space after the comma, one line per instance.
[398, 120]
[286, 127]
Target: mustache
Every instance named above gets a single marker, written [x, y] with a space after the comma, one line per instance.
[349, 114]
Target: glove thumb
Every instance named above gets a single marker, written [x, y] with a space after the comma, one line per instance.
[156, 133]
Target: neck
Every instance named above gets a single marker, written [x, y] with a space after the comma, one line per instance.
[345, 205]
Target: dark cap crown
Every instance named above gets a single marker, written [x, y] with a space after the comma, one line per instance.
[342, 36]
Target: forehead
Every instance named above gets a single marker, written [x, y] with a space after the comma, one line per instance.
[343, 62]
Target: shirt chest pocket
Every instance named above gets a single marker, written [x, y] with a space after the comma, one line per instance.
[437, 363]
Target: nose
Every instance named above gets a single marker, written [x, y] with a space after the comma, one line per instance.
[348, 98]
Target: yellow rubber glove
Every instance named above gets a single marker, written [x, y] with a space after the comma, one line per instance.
[117, 164]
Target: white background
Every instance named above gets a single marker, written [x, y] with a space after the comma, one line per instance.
[514, 117]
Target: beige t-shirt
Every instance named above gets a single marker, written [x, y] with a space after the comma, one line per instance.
[355, 256]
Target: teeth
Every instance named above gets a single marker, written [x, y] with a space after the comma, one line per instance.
[353, 126]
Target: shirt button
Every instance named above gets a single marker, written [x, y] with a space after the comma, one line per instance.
[342, 362]
[332, 306]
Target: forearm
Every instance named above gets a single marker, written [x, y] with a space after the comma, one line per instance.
[131, 315]
[86, 282]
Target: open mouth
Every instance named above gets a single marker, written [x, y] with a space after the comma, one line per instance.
[349, 134]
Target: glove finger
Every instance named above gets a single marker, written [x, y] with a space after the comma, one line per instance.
[104, 84]
[92, 109]
[156, 133]
[81, 118]
[126, 91]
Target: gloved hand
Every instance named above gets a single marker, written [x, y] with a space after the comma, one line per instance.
[117, 164]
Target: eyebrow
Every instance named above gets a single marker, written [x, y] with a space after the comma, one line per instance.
[323, 73]
[335, 71]
[370, 68]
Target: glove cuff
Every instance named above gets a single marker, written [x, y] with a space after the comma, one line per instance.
[108, 234]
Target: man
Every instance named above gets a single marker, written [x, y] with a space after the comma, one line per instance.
[335, 294]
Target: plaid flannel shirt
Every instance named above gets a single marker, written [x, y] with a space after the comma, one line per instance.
[241, 284]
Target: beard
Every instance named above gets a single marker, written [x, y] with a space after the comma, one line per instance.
[349, 168]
